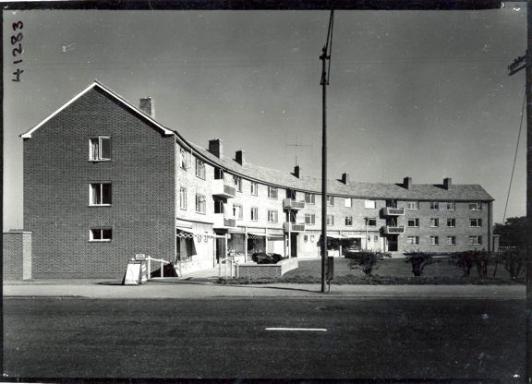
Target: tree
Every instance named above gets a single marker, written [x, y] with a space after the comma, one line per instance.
[513, 233]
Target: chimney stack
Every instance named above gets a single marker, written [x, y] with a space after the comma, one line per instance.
[239, 157]
[146, 105]
[345, 178]
[297, 171]
[447, 182]
[407, 182]
[216, 147]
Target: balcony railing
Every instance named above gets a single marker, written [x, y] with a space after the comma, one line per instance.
[391, 211]
[393, 230]
[293, 204]
[293, 227]
[222, 189]
[221, 220]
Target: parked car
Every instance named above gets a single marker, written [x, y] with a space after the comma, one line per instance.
[266, 258]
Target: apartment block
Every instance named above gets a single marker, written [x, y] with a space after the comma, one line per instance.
[103, 181]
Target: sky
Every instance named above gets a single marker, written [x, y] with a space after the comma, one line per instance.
[423, 94]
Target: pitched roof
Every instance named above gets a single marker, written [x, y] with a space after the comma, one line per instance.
[97, 85]
[274, 177]
[464, 192]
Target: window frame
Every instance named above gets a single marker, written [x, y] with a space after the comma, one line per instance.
[436, 220]
[92, 239]
[183, 198]
[201, 201]
[237, 182]
[348, 221]
[415, 206]
[273, 214]
[310, 198]
[477, 224]
[348, 202]
[184, 159]
[368, 221]
[311, 217]
[330, 220]
[374, 204]
[434, 240]
[256, 210]
[453, 222]
[451, 240]
[200, 168]
[101, 192]
[416, 222]
[414, 238]
[99, 157]
[435, 205]
[330, 201]
[273, 192]
[254, 188]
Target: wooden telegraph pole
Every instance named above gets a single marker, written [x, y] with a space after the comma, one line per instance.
[325, 74]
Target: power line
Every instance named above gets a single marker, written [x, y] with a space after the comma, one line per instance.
[515, 155]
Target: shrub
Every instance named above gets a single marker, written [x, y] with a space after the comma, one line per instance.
[466, 260]
[418, 260]
[514, 260]
[367, 260]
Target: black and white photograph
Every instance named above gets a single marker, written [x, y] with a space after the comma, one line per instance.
[302, 192]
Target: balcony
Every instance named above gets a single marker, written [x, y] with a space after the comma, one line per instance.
[293, 227]
[293, 204]
[222, 220]
[393, 230]
[391, 211]
[222, 189]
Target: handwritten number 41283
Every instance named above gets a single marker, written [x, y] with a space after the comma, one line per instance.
[16, 42]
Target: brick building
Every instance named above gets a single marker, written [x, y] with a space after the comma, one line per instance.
[103, 181]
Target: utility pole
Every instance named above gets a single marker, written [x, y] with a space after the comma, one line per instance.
[325, 75]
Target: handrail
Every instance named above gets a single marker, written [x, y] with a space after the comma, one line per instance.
[149, 259]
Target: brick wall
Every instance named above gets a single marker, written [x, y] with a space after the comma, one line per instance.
[16, 250]
[57, 174]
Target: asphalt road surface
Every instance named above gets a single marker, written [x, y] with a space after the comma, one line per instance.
[228, 338]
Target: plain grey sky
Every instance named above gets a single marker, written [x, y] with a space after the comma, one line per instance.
[413, 93]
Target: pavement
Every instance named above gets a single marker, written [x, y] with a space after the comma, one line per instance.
[203, 288]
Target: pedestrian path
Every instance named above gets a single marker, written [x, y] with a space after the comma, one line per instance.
[175, 288]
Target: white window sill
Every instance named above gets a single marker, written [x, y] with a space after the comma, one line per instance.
[98, 160]
[100, 205]
[100, 241]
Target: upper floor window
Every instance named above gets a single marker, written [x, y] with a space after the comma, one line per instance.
[100, 148]
[183, 198]
[434, 240]
[451, 240]
[272, 192]
[412, 205]
[254, 214]
[273, 216]
[330, 200]
[184, 159]
[254, 188]
[414, 222]
[238, 212]
[200, 203]
[347, 202]
[451, 206]
[475, 222]
[100, 234]
[475, 240]
[477, 206]
[451, 222]
[371, 204]
[310, 198]
[200, 168]
[310, 218]
[412, 240]
[100, 194]
[434, 205]
[237, 181]
[330, 219]
[434, 222]
[349, 220]
[371, 221]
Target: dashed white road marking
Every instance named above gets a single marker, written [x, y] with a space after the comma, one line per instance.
[296, 329]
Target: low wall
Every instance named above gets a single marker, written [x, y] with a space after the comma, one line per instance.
[263, 271]
[16, 249]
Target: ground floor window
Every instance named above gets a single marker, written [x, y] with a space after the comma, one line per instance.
[101, 234]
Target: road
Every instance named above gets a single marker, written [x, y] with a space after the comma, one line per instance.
[227, 338]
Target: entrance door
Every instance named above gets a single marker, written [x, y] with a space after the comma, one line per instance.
[220, 249]
[392, 243]
[293, 244]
